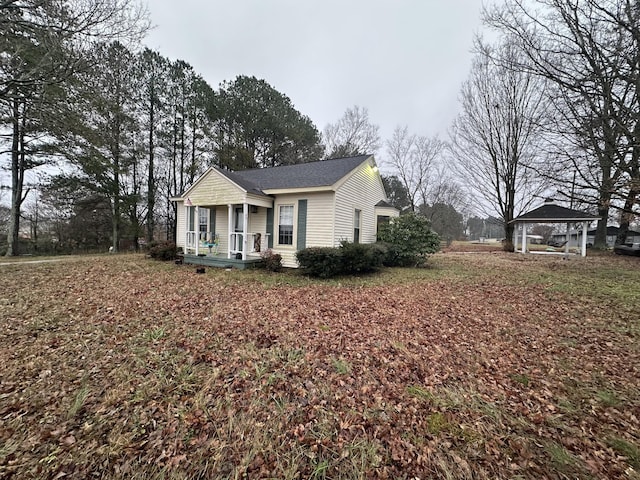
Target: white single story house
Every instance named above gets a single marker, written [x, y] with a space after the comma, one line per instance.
[239, 215]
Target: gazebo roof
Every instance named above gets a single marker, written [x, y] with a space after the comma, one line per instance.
[552, 213]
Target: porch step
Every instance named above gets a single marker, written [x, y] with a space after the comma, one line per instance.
[220, 261]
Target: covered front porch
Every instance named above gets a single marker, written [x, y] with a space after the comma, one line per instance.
[221, 233]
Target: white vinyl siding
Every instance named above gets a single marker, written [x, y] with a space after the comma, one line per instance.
[320, 218]
[214, 189]
[361, 191]
[258, 224]
[222, 228]
[180, 225]
[320, 225]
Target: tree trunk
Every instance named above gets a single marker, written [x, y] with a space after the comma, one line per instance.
[17, 181]
[627, 214]
[151, 187]
[507, 244]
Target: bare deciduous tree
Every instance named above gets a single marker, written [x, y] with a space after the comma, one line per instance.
[590, 51]
[352, 135]
[413, 159]
[493, 140]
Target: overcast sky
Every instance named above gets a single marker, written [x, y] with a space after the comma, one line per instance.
[404, 60]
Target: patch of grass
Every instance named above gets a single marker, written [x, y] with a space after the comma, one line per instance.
[608, 398]
[520, 378]
[320, 469]
[341, 366]
[436, 423]
[563, 460]
[567, 407]
[78, 401]
[362, 457]
[289, 355]
[626, 449]
[420, 392]
[154, 334]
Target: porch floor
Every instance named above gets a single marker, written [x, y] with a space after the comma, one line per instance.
[221, 261]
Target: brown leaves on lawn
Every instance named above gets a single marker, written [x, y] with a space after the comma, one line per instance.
[115, 367]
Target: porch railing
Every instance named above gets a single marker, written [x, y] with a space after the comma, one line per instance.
[192, 239]
[236, 242]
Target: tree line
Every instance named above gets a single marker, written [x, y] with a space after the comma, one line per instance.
[128, 128]
[549, 108]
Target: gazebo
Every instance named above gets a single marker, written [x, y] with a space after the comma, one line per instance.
[552, 213]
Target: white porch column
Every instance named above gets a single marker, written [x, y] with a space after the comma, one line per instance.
[584, 239]
[568, 242]
[245, 227]
[196, 226]
[229, 230]
[524, 238]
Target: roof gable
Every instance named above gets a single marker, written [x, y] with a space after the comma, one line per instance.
[202, 178]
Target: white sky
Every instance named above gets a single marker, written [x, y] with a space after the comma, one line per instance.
[404, 60]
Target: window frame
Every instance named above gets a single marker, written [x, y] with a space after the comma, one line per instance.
[203, 214]
[357, 225]
[286, 235]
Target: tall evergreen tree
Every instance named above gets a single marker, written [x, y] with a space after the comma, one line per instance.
[259, 127]
[101, 140]
[43, 44]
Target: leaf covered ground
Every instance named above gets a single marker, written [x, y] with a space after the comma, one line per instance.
[482, 366]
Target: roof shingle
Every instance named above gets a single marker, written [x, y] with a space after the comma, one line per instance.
[302, 175]
[551, 212]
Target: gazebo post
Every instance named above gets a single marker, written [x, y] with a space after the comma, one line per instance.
[524, 238]
[583, 250]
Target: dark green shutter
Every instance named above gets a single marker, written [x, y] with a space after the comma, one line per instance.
[302, 225]
[191, 226]
[270, 227]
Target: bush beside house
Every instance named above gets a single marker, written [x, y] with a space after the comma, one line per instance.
[409, 240]
[162, 250]
[406, 241]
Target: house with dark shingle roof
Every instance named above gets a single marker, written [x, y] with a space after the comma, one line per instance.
[239, 215]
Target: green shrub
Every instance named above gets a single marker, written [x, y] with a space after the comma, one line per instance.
[409, 240]
[163, 250]
[348, 259]
[272, 261]
[360, 257]
[392, 255]
[323, 262]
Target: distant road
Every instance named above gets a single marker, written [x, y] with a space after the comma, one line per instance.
[21, 262]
